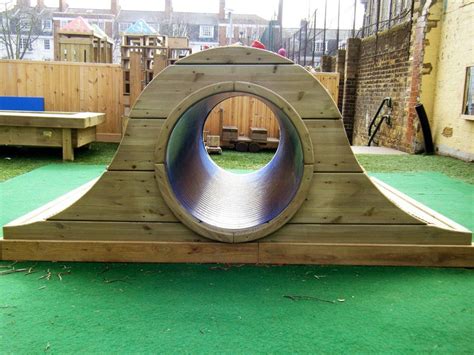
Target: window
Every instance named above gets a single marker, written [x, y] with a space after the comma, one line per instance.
[319, 46]
[25, 43]
[25, 24]
[47, 44]
[468, 104]
[206, 31]
[101, 24]
[123, 26]
[64, 23]
[47, 25]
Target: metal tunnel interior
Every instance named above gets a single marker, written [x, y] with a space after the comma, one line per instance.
[221, 198]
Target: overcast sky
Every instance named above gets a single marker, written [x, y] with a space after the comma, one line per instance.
[293, 10]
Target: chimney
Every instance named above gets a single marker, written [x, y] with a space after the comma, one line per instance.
[63, 5]
[40, 3]
[168, 7]
[221, 9]
[115, 7]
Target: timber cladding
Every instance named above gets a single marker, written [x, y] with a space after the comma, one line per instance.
[69, 87]
[336, 214]
[244, 112]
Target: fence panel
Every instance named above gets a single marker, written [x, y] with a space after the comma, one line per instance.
[69, 87]
[247, 111]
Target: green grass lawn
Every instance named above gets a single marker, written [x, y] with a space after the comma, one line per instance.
[15, 161]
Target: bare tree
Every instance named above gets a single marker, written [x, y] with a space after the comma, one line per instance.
[20, 27]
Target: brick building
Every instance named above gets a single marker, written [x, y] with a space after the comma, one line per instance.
[415, 52]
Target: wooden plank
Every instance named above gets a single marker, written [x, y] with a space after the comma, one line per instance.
[369, 234]
[136, 151]
[215, 252]
[349, 198]
[164, 252]
[332, 151]
[121, 196]
[234, 55]
[68, 86]
[290, 233]
[330, 81]
[292, 82]
[51, 119]
[136, 77]
[160, 62]
[344, 198]
[68, 151]
[31, 136]
[112, 231]
[368, 254]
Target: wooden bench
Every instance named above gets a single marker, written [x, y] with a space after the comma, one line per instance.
[68, 130]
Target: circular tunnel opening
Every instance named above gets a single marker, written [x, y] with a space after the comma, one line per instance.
[241, 134]
[221, 198]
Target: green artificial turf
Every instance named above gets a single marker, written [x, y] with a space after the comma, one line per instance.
[451, 167]
[450, 197]
[153, 308]
[16, 161]
[29, 191]
[216, 309]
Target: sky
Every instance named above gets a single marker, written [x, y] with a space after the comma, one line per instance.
[293, 10]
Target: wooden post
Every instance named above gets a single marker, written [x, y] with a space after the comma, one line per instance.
[135, 77]
[68, 152]
[159, 63]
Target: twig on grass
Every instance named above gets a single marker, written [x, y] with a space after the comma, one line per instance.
[46, 276]
[124, 279]
[12, 271]
[307, 298]
[8, 266]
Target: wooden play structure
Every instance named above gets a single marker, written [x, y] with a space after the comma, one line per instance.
[79, 41]
[67, 130]
[162, 199]
[152, 52]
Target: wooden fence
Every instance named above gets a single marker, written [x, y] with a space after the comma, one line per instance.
[246, 111]
[72, 87]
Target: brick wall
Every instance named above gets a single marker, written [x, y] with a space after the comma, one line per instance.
[384, 69]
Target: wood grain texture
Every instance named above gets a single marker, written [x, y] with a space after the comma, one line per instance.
[215, 252]
[51, 119]
[332, 151]
[349, 198]
[368, 234]
[330, 145]
[136, 151]
[111, 231]
[120, 196]
[286, 111]
[234, 55]
[68, 151]
[292, 82]
[343, 198]
[290, 233]
[69, 87]
[164, 252]
[368, 254]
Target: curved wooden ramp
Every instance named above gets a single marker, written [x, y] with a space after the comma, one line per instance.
[162, 200]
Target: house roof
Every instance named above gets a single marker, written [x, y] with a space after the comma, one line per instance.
[78, 25]
[140, 27]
